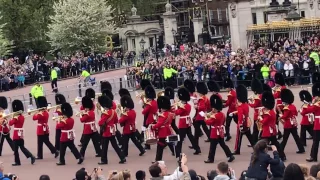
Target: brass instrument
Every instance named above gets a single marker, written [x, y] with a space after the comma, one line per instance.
[142, 96]
[81, 113]
[4, 117]
[57, 118]
[258, 122]
[160, 93]
[36, 110]
[98, 94]
[77, 100]
[177, 104]
[54, 107]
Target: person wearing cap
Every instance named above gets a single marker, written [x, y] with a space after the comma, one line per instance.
[169, 92]
[163, 126]
[17, 122]
[280, 85]
[60, 99]
[54, 77]
[267, 118]
[4, 127]
[216, 119]
[183, 109]
[42, 118]
[108, 123]
[288, 118]
[316, 127]
[150, 109]
[231, 104]
[66, 124]
[214, 87]
[90, 132]
[37, 91]
[242, 112]
[128, 122]
[255, 103]
[306, 112]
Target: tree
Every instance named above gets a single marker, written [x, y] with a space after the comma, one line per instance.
[5, 45]
[80, 25]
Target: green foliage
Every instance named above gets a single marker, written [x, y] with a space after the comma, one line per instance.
[5, 45]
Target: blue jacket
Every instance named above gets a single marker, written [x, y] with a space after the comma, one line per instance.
[1, 176]
[259, 169]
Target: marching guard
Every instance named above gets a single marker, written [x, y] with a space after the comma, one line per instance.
[66, 123]
[288, 118]
[4, 126]
[60, 99]
[17, 122]
[244, 122]
[216, 119]
[231, 104]
[280, 85]
[214, 87]
[123, 92]
[90, 132]
[306, 112]
[108, 123]
[105, 85]
[42, 117]
[169, 92]
[183, 109]
[128, 122]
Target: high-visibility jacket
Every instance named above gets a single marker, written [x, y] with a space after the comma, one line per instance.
[167, 73]
[85, 73]
[54, 74]
[37, 90]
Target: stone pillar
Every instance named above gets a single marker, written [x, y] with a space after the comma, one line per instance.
[197, 26]
[170, 23]
[240, 18]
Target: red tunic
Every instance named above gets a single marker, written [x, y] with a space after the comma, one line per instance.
[109, 118]
[203, 106]
[4, 128]
[231, 101]
[59, 113]
[89, 124]
[256, 105]
[243, 114]
[316, 112]
[219, 95]
[128, 122]
[82, 108]
[163, 126]
[305, 111]
[150, 109]
[277, 97]
[184, 113]
[216, 122]
[268, 123]
[289, 116]
[42, 118]
[67, 132]
[17, 123]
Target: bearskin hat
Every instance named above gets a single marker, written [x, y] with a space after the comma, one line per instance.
[316, 89]
[266, 88]
[279, 79]
[305, 96]
[287, 96]
[105, 85]
[42, 102]
[213, 86]
[268, 100]
[108, 93]
[228, 83]
[184, 94]
[242, 93]
[256, 86]
[3, 102]
[87, 102]
[17, 105]
[150, 92]
[90, 93]
[202, 88]
[189, 85]
[315, 77]
[60, 99]
[144, 83]
[123, 92]
[169, 92]
[54, 64]
[216, 102]
[127, 102]
[105, 102]
[164, 102]
[67, 110]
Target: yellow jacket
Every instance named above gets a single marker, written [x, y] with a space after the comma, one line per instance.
[37, 91]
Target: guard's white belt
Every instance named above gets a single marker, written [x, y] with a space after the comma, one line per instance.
[67, 131]
[42, 124]
[18, 129]
[181, 117]
[317, 116]
[90, 122]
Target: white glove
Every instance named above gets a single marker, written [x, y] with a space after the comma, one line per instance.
[202, 114]
[230, 114]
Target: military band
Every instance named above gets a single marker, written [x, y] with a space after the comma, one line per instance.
[231, 103]
[306, 112]
[279, 86]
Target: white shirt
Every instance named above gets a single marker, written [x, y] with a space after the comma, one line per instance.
[176, 175]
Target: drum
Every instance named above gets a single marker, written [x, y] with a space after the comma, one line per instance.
[150, 137]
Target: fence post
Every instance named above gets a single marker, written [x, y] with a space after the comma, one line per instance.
[30, 99]
[80, 92]
[120, 83]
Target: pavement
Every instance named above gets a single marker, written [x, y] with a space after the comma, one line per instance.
[134, 162]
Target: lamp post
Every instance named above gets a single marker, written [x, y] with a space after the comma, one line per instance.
[142, 42]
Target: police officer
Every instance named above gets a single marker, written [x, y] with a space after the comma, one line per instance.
[54, 77]
[4, 127]
[168, 73]
[37, 91]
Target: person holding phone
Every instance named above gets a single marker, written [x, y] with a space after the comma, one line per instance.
[225, 172]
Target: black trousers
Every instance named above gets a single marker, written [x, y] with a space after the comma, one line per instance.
[36, 101]
[273, 140]
[255, 133]
[228, 123]
[20, 144]
[105, 146]
[183, 132]
[160, 147]
[239, 139]
[118, 136]
[315, 145]
[125, 145]
[174, 126]
[54, 84]
[9, 140]
[303, 133]
[57, 139]
[95, 138]
[72, 147]
[294, 132]
[44, 139]
[197, 130]
[213, 147]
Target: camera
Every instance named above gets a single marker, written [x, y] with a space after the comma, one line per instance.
[173, 139]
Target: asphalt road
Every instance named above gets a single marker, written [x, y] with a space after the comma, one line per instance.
[134, 162]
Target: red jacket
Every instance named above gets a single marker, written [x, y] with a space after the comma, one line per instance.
[256, 105]
[114, 105]
[109, 118]
[82, 108]
[89, 123]
[243, 114]
[150, 109]
[17, 123]
[67, 132]
[42, 118]
[194, 98]
[268, 123]
[216, 122]
[316, 112]
[4, 128]
[276, 95]
[128, 122]
[231, 101]
[203, 105]
[219, 95]
[58, 111]
[184, 113]
[305, 111]
[163, 126]
[289, 116]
